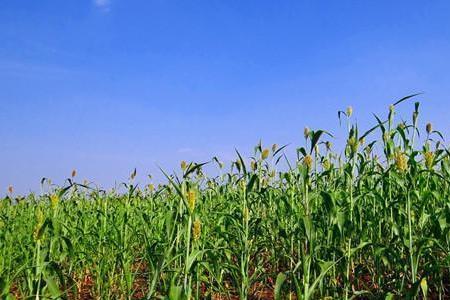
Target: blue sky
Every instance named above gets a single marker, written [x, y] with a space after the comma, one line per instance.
[105, 86]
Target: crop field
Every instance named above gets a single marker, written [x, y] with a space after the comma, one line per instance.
[369, 221]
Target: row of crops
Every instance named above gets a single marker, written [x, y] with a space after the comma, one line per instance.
[370, 222]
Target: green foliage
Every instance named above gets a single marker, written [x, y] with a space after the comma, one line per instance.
[370, 222]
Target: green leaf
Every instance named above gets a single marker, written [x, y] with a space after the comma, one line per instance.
[278, 285]
[325, 267]
[192, 168]
[251, 183]
[442, 222]
[280, 149]
[244, 169]
[359, 247]
[406, 98]
[52, 287]
[315, 138]
[4, 287]
[193, 257]
[175, 292]
[302, 151]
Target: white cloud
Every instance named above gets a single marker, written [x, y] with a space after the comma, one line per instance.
[102, 4]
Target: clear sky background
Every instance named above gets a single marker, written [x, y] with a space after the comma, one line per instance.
[105, 86]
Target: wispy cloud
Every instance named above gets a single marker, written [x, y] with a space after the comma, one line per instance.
[102, 4]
